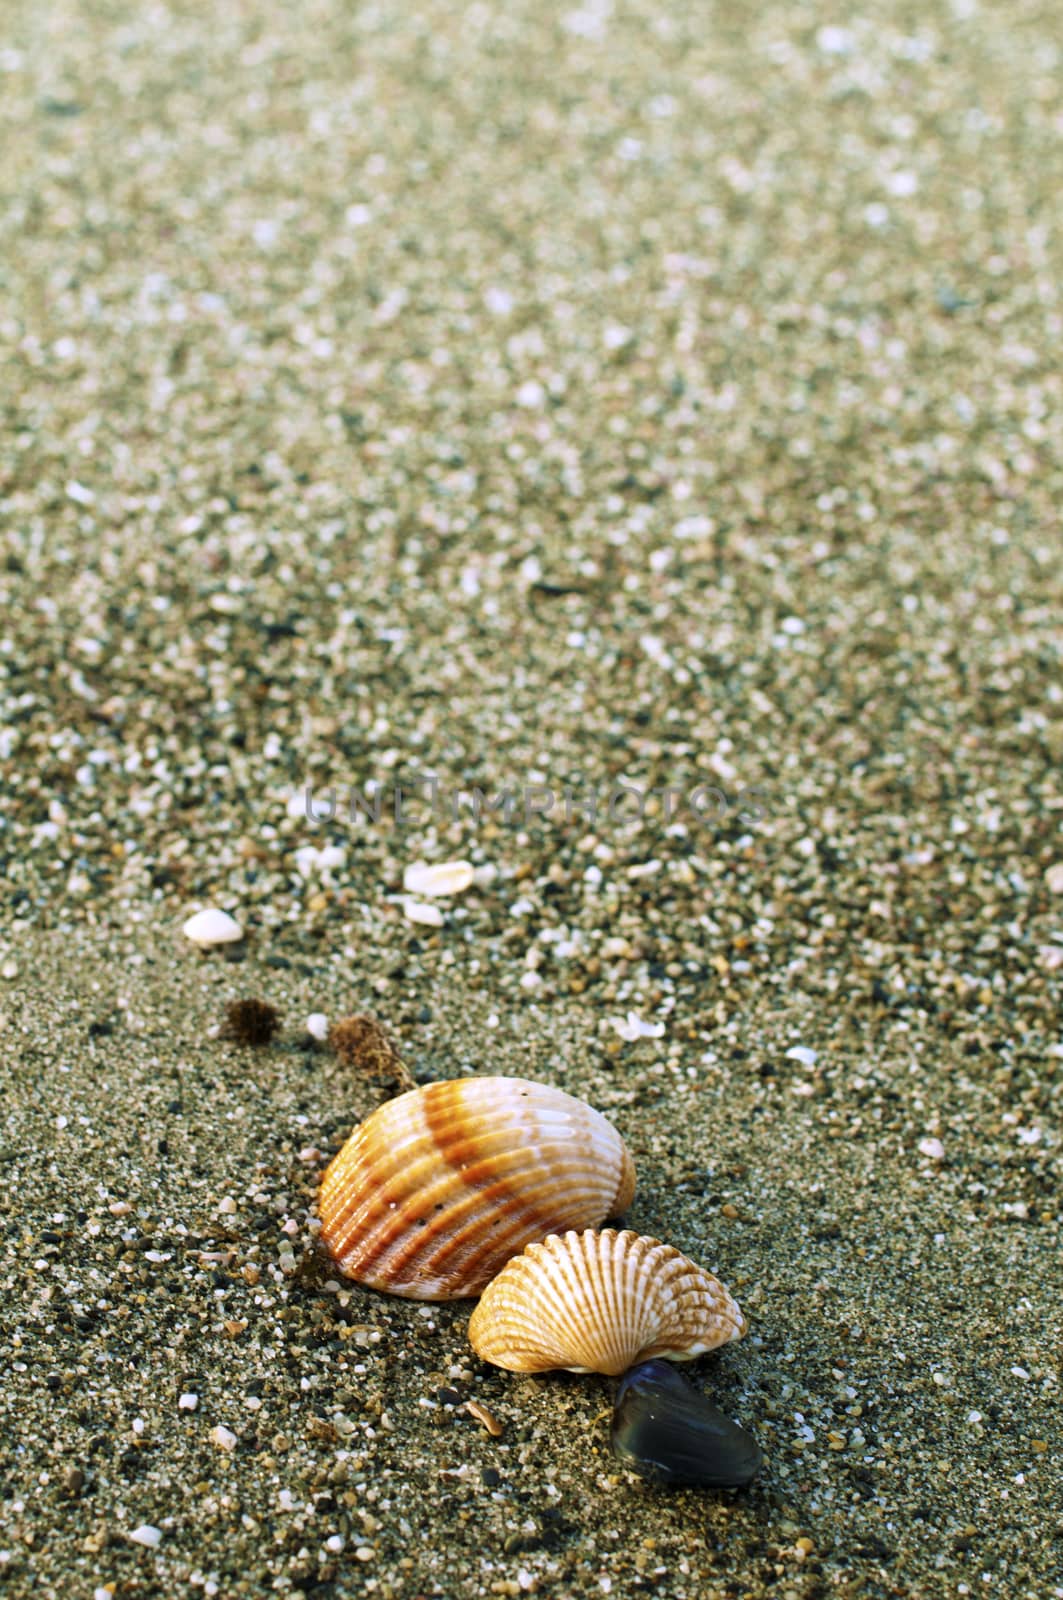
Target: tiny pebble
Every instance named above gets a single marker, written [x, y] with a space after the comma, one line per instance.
[632, 1027]
[444, 878]
[317, 1026]
[211, 927]
[146, 1535]
[419, 911]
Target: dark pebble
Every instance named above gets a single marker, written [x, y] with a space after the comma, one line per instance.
[668, 1432]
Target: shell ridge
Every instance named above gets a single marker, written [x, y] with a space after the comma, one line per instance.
[461, 1245]
[608, 1268]
[590, 1310]
[637, 1289]
[557, 1287]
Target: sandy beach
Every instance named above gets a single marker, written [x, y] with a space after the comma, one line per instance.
[618, 446]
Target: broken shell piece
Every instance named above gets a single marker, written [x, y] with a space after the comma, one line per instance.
[443, 878]
[212, 927]
[600, 1302]
[439, 1188]
[147, 1535]
[486, 1418]
[633, 1028]
[428, 916]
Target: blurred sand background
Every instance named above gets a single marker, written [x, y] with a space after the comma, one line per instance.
[532, 395]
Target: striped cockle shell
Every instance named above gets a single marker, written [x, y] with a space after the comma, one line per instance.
[600, 1302]
[440, 1187]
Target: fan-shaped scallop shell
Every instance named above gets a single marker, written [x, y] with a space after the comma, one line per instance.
[440, 1187]
[599, 1302]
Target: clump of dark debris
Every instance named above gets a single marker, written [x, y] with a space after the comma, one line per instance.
[251, 1022]
[361, 1042]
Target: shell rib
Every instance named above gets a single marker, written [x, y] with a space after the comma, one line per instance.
[599, 1302]
[440, 1187]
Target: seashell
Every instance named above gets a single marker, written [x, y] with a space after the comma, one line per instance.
[669, 1433]
[434, 1193]
[442, 878]
[599, 1302]
[212, 927]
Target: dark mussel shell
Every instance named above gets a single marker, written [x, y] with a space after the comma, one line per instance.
[668, 1432]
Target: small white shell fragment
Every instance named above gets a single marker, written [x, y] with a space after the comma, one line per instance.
[632, 1028]
[212, 927]
[317, 1026]
[443, 878]
[932, 1148]
[223, 1437]
[187, 1402]
[310, 860]
[1054, 877]
[146, 1535]
[419, 911]
[803, 1054]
